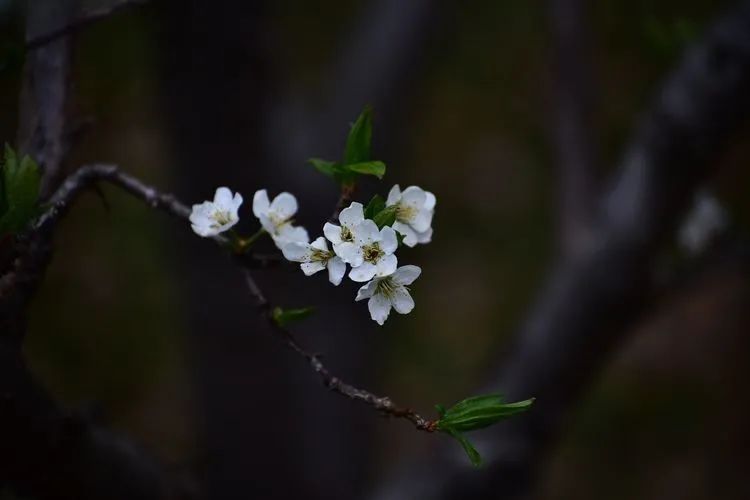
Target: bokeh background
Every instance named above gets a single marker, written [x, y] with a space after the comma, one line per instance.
[148, 329]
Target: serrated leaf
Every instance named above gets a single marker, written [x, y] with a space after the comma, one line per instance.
[358, 142]
[471, 452]
[376, 168]
[480, 412]
[20, 191]
[284, 317]
[385, 217]
[374, 207]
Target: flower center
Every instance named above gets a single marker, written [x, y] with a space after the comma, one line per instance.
[346, 234]
[320, 255]
[386, 287]
[372, 252]
[405, 212]
[222, 217]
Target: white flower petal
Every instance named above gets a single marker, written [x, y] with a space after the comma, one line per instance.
[364, 272]
[310, 268]
[223, 198]
[367, 290]
[204, 231]
[236, 202]
[388, 240]
[320, 244]
[267, 224]
[260, 203]
[421, 222]
[414, 196]
[425, 237]
[349, 253]
[386, 265]
[410, 236]
[284, 205]
[332, 232]
[296, 251]
[336, 270]
[366, 232]
[380, 308]
[394, 196]
[402, 301]
[289, 234]
[429, 201]
[352, 215]
[405, 275]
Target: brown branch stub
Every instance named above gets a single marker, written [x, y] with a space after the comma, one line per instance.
[347, 192]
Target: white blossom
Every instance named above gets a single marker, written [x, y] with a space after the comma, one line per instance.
[315, 257]
[213, 217]
[371, 252]
[390, 291]
[349, 218]
[276, 218]
[415, 208]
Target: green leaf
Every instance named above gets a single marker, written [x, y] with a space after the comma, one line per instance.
[20, 186]
[479, 412]
[324, 166]
[385, 217]
[374, 207]
[376, 168]
[471, 452]
[359, 141]
[284, 317]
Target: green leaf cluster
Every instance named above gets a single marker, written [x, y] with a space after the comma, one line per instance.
[357, 154]
[284, 317]
[476, 413]
[19, 192]
[378, 212]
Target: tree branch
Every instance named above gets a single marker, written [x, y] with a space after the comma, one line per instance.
[80, 22]
[382, 404]
[574, 137]
[594, 298]
[85, 176]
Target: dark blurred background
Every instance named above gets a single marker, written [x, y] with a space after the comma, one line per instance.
[149, 330]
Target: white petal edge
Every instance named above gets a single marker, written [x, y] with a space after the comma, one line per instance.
[332, 232]
[336, 270]
[402, 301]
[380, 308]
[284, 205]
[352, 215]
[394, 195]
[310, 268]
[386, 265]
[366, 291]
[406, 275]
[388, 240]
[363, 272]
[296, 251]
[260, 203]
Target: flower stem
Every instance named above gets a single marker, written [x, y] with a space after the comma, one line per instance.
[241, 244]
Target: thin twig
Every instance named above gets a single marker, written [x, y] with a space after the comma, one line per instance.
[85, 176]
[347, 192]
[84, 20]
[382, 404]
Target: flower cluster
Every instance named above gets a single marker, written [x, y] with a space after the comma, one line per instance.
[366, 246]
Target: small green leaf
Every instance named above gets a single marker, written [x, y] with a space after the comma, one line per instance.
[471, 452]
[385, 217]
[284, 317]
[20, 186]
[376, 168]
[358, 142]
[324, 166]
[374, 207]
[479, 412]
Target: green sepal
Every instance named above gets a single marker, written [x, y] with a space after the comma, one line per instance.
[284, 317]
[385, 217]
[374, 207]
